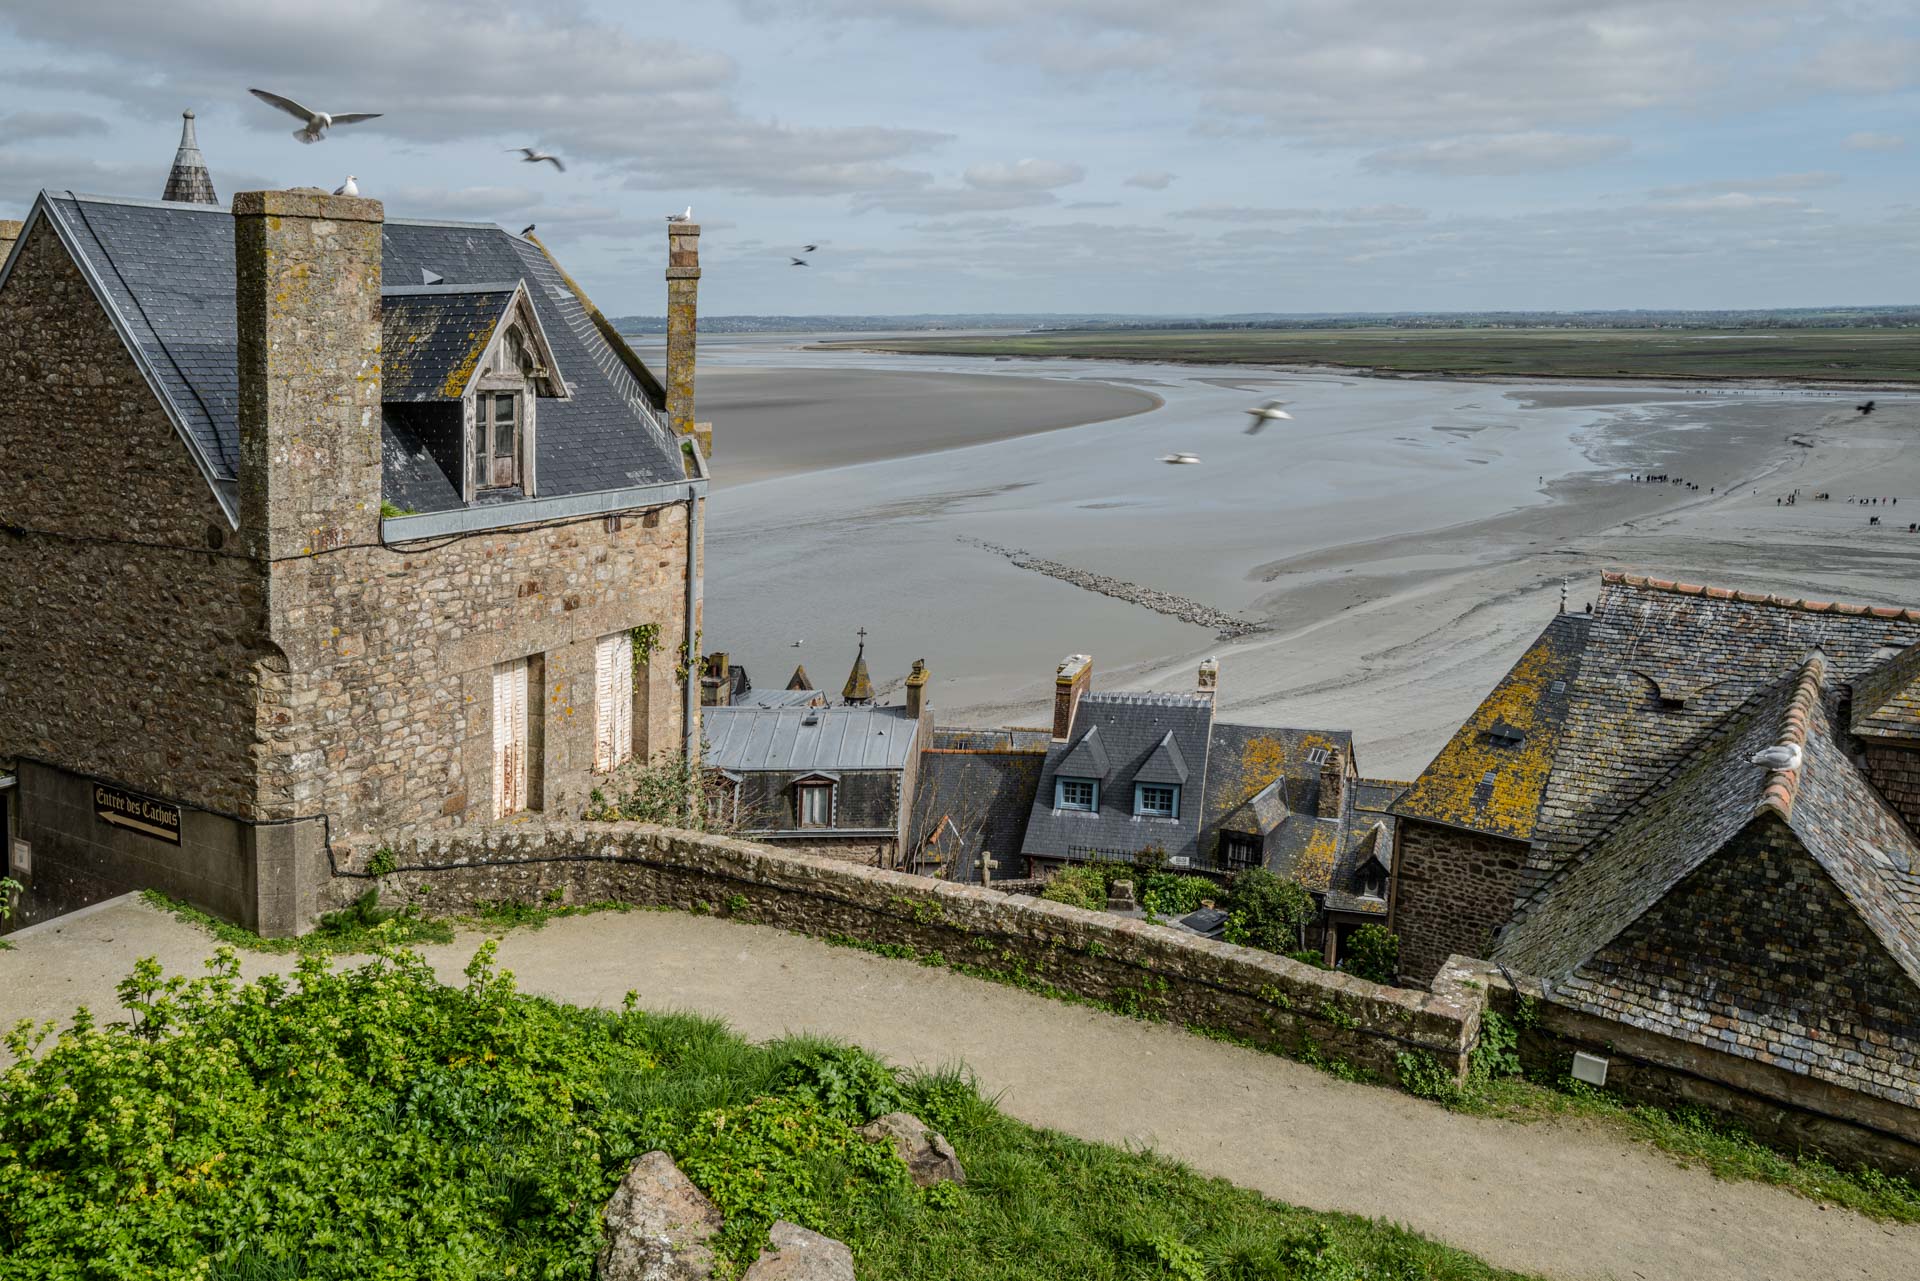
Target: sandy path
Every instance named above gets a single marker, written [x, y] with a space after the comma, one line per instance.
[1554, 1198]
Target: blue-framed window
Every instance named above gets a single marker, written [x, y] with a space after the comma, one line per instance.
[1076, 794]
[1156, 800]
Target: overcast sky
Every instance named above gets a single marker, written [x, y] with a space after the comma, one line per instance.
[1051, 155]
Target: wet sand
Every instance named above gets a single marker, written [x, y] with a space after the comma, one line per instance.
[1402, 540]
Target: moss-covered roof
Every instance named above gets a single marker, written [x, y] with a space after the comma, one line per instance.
[430, 342]
[1491, 775]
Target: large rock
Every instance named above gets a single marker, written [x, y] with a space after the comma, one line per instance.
[930, 1158]
[658, 1225]
[795, 1254]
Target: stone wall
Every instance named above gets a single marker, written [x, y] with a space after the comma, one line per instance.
[1784, 1109]
[1264, 999]
[1451, 890]
[132, 624]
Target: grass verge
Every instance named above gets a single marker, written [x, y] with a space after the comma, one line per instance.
[372, 1121]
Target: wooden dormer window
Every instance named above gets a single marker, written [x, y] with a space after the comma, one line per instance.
[498, 432]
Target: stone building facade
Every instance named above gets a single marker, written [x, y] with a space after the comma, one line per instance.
[215, 614]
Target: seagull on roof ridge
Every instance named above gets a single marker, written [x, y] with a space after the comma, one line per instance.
[317, 122]
[1785, 757]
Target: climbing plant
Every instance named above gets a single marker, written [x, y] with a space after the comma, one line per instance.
[646, 643]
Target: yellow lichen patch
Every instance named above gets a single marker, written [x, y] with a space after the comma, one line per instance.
[1314, 867]
[457, 377]
[1485, 782]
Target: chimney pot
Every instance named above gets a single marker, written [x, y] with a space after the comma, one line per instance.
[1209, 680]
[1070, 680]
[917, 707]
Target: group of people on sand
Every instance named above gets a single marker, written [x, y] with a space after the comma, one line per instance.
[1664, 479]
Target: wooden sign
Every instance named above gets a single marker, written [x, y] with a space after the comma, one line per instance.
[137, 813]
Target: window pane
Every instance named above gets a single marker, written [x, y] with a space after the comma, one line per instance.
[1076, 794]
[815, 806]
[503, 415]
[480, 420]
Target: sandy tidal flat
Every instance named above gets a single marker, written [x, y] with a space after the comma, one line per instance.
[1401, 540]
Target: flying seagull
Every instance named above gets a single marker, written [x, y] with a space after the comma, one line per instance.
[682, 217]
[1781, 756]
[797, 262]
[347, 188]
[317, 122]
[529, 156]
[1179, 460]
[797, 644]
[1266, 414]
[807, 249]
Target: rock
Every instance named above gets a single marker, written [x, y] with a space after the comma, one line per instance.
[657, 1225]
[930, 1158]
[795, 1254]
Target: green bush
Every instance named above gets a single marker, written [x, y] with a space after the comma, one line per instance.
[1267, 911]
[1082, 886]
[1174, 896]
[1373, 953]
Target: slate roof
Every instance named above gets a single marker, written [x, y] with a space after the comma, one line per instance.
[1886, 702]
[1703, 803]
[1264, 781]
[1664, 665]
[167, 271]
[1492, 774]
[1370, 830]
[796, 739]
[972, 802]
[431, 339]
[1128, 730]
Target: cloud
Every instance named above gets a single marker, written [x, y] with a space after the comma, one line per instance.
[951, 200]
[654, 111]
[1024, 175]
[1864, 64]
[1498, 154]
[27, 126]
[1808, 181]
[1256, 213]
[1729, 202]
[1092, 204]
[1869, 141]
[1151, 179]
[1383, 213]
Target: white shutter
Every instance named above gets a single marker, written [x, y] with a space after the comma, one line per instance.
[622, 697]
[605, 755]
[510, 737]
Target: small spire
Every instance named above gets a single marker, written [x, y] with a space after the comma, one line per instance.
[189, 181]
[800, 680]
[859, 686]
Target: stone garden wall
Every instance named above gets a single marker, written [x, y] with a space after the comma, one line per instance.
[1155, 970]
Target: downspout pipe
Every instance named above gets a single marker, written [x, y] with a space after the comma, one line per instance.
[696, 585]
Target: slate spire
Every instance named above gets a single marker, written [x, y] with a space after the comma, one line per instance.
[189, 180]
[859, 687]
[800, 680]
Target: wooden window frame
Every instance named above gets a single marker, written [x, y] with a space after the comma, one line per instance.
[613, 700]
[1229, 841]
[802, 792]
[1140, 809]
[1060, 794]
[483, 436]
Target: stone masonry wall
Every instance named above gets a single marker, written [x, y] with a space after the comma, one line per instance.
[1269, 1000]
[132, 624]
[1451, 890]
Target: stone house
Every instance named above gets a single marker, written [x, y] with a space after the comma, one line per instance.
[322, 533]
[837, 780]
[1675, 904]
[974, 795]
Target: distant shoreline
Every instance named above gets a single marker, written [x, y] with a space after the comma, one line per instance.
[1254, 361]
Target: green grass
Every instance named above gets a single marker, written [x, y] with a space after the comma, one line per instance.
[1827, 355]
[363, 927]
[374, 1122]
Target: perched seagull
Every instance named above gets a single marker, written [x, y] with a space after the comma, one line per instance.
[347, 188]
[1781, 756]
[529, 156]
[1179, 460]
[682, 217]
[317, 122]
[797, 262]
[1266, 414]
[527, 230]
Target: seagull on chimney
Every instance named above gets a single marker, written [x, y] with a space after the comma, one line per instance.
[682, 217]
[1265, 414]
[317, 122]
[347, 188]
[529, 156]
[1784, 757]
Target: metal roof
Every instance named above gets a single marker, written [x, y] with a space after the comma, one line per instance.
[808, 738]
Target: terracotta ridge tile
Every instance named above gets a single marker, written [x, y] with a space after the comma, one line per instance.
[1847, 608]
[1783, 786]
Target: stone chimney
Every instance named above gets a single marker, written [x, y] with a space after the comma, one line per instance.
[1071, 679]
[683, 294]
[1333, 784]
[1209, 682]
[307, 302]
[189, 180]
[917, 708]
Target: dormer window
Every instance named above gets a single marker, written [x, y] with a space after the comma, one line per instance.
[497, 433]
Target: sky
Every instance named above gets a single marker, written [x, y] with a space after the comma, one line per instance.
[1214, 156]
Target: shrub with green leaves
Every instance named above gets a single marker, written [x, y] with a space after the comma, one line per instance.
[1082, 886]
[1267, 911]
[1175, 896]
[1373, 953]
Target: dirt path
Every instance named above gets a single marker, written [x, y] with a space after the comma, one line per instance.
[1552, 1198]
